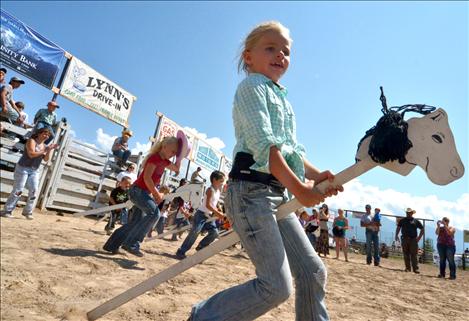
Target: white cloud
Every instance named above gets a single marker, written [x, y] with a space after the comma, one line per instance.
[215, 142]
[144, 148]
[390, 201]
[104, 140]
[83, 146]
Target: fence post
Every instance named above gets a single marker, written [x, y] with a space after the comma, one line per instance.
[101, 181]
[62, 155]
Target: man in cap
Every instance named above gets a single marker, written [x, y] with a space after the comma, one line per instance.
[120, 148]
[372, 235]
[409, 239]
[9, 110]
[47, 118]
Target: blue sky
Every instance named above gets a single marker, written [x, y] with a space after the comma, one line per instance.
[180, 58]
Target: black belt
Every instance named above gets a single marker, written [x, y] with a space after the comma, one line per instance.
[241, 171]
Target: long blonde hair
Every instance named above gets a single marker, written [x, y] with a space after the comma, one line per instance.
[156, 148]
[255, 35]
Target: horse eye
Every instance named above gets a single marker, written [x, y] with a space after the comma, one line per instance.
[437, 139]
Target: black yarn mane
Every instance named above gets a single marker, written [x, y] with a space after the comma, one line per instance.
[389, 141]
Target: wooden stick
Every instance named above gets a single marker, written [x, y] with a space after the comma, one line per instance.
[104, 209]
[341, 178]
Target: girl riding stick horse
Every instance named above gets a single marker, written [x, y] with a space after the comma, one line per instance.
[145, 197]
[268, 159]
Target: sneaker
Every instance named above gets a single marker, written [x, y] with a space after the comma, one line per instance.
[180, 255]
[416, 271]
[28, 216]
[440, 276]
[452, 278]
[6, 214]
[135, 252]
[116, 251]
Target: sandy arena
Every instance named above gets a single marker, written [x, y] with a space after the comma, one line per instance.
[53, 268]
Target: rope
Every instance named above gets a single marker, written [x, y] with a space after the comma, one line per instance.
[389, 141]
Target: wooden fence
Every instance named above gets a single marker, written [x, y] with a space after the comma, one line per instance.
[78, 177]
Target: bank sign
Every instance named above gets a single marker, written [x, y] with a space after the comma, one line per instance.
[27, 52]
[90, 89]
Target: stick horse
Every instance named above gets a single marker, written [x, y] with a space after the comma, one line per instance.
[394, 144]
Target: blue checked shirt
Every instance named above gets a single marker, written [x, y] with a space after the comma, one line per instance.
[263, 118]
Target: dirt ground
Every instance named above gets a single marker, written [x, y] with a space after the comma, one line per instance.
[53, 268]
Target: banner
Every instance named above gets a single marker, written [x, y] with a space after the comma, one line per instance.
[170, 128]
[207, 156]
[466, 236]
[88, 88]
[27, 52]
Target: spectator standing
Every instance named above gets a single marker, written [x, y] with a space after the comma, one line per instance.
[323, 241]
[120, 148]
[9, 110]
[372, 236]
[47, 118]
[312, 228]
[446, 247]
[409, 239]
[27, 173]
[339, 227]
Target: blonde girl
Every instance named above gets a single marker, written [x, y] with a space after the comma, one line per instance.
[145, 197]
[267, 161]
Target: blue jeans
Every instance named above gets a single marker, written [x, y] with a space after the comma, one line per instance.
[113, 218]
[144, 202]
[23, 176]
[372, 237]
[278, 250]
[312, 238]
[122, 155]
[199, 224]
[145, 213]
[179, 222]
[446, 252]
[40, 125]
[160, 225]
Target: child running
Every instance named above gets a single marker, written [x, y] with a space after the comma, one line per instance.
[146, 197]
[203, 213]
[268, 160]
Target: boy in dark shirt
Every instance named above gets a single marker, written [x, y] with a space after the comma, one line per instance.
[119, 195]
